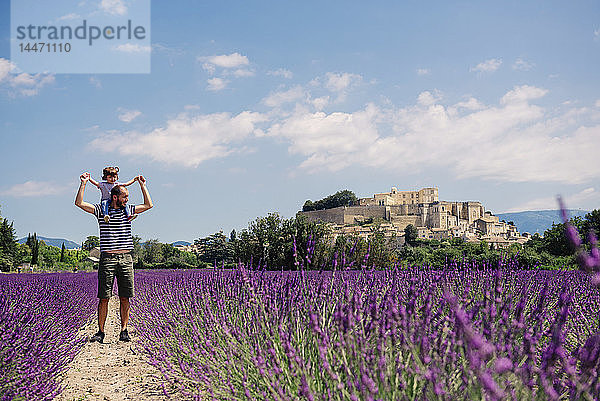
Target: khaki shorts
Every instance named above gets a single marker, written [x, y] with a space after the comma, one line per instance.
[119, 265]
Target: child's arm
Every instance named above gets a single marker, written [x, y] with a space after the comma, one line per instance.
[94, 182]
[128, 183]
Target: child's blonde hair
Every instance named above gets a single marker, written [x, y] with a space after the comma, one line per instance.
[109, 171]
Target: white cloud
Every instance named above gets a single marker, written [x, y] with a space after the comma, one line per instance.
[23, 79]
[427, 98]
[33, 189]
[69, 17]
[423, 71]
[585, 196]
[233, 60]
[113, 7]
[242, 72]
[186, 140]
[328, 139]
[227, 65]
[210, 68]
[469, 104]
[282, 72]
[490, 65]
[522, 94]
[128, 115]
[320, 102]
[22, 83]
[596, 34]
[132, 48]
[216, 84]
[597, 104]
[514, 141]
[277, 99]
[341, 82]
[6, 66]
[522, 65]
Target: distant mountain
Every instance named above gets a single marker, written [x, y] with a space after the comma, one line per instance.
[178, 243]
[57, 242]
[538, 221]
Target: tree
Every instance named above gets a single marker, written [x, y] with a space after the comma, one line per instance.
[591, 222]
[35, 249]
[214, 249]
[411, 235]
[340, 198]
[8, 246]
[91, 242]
[152, 251]
[138, 253]
[269, 241]
[556, 243]
[62, 253]
[308, 206]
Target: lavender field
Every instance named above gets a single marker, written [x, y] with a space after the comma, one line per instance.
[40, 315]
[395, 335]
[418, 334]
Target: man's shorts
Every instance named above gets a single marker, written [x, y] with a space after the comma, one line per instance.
[119, 265]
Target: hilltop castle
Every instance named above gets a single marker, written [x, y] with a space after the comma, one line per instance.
[434, 219]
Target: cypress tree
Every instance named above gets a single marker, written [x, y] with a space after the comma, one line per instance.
[62, 253]
[35, 248]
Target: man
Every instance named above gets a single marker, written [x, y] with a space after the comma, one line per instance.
[116, 245]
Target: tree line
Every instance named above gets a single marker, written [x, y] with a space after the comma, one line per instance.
[273, 242]
[37, 253]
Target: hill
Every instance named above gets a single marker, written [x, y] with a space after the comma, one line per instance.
[185, 243]
[538, 220]
[57, 242]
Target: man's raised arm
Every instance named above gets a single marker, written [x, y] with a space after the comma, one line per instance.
[79, 202]
[147, 201]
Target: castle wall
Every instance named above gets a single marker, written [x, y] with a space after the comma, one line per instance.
[335, 215]
[400, 222]
[352, 212]
[348, 214]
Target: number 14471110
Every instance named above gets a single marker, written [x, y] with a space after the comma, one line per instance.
[43, 47]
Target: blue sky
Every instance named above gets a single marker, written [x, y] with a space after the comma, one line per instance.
[254, 107]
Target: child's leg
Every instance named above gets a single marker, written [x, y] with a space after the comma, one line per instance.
[128, 214]
[104, 206]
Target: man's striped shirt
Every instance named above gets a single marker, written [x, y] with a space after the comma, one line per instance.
[116, 234]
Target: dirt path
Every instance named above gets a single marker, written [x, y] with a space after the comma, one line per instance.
[112, 371]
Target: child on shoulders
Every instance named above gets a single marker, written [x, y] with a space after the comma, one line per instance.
[110, 175]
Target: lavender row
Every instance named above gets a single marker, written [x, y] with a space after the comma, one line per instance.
[40, 316]
[395, 335]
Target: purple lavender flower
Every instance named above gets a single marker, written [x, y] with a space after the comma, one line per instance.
[503, 365]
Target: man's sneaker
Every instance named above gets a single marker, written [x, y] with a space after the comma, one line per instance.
[99, 337]
[106, 218]
[124, 336]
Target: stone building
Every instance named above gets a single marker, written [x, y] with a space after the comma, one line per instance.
[434, 219]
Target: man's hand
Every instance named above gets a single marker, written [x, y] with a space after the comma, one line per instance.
[147, 201]
[79, 202]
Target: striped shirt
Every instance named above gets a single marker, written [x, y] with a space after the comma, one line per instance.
[116, 234]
